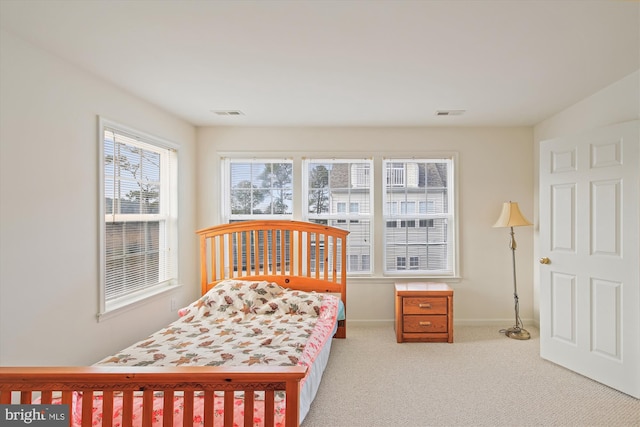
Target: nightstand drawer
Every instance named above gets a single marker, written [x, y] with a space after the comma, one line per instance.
[424, 324]
[424, 305]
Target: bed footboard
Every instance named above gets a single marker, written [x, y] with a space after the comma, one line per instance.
[62, 385]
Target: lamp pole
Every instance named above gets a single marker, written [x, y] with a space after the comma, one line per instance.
[516, 332]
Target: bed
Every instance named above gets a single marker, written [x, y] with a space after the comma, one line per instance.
[290, 271]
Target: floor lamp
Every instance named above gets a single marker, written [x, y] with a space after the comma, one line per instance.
[512, 217]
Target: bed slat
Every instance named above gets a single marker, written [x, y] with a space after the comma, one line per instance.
[239, 243]
[299, 271]
[327, 249]
[249, 399]
[229, 257]
[67, 397]
[127, 408]
[187, 415]
[273, 246]
[269, 408]
[167, 408]
[208, 408]
[87, 408]
[228, 408]
[334, 273]
[310, 260]
[256, 252]
[107, 407]
[147, 407]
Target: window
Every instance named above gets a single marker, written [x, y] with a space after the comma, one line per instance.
[407, 207]
[354, 261]
[366, 263]
[419, 216]
[361, 175]
[415, 234]
[259, 189]
[338, 192]
[395, 175]
[427, 223]
[139, 233]
[414, 262]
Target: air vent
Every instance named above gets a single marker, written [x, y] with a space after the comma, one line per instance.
[228, 113]
[449, 112]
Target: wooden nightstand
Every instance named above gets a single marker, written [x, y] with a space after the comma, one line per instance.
[424, 312]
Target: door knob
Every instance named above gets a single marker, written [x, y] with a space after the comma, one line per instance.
[545, 260]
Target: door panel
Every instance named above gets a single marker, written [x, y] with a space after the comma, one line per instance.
[563, 307]
[607, 318]
[605, 218]
[563, 212]
[590, 231]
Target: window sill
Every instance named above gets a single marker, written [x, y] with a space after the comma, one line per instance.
[392, 279]
[124, 305]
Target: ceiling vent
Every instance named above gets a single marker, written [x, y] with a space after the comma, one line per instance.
[228, 113]
[449, 112]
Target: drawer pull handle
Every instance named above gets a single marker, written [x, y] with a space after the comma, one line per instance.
[425, 323]
[424, 305]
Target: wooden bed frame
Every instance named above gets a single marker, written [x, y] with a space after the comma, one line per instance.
[294, 254]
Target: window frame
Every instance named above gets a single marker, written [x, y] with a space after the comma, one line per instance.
[168, 213]
[227, 214]
[393, 212]
[346, 218]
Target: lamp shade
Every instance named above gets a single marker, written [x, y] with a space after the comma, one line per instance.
[511, 216]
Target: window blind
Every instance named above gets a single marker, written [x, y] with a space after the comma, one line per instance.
[418, 216]
[140, 185]
[338, 192]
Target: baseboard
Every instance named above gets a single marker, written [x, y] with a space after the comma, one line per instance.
[492, 322]
[370, 321]
[461, 322]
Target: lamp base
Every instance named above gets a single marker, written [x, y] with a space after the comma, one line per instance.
[517, 333]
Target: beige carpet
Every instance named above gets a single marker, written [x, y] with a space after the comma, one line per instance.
[482, 379]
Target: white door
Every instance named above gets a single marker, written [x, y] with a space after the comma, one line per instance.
[590, 233]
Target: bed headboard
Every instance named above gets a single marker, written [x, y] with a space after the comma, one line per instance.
[294, 254]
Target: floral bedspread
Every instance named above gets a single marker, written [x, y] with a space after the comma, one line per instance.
[236, 323]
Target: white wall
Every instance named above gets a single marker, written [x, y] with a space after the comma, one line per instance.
[49, 210]
[495, 165]
[617, 103]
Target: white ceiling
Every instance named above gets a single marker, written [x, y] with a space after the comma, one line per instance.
[343, 63]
